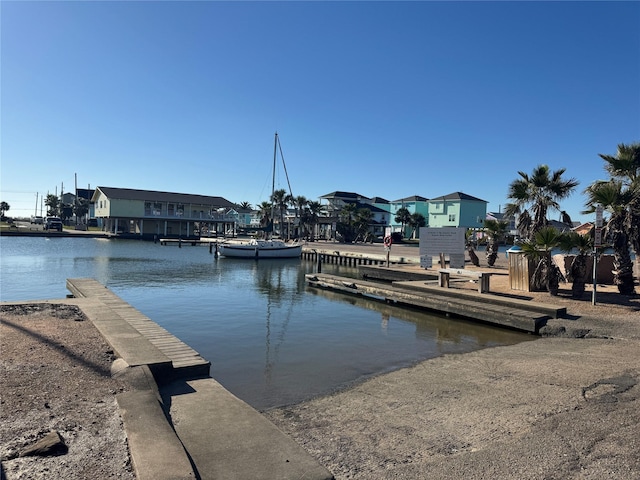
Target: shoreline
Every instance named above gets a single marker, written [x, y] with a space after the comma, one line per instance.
[563, 406]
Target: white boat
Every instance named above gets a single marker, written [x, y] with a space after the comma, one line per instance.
[259, 248]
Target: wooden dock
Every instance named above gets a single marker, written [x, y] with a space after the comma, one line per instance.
[341, 257]
[492, 309]
[134, 336]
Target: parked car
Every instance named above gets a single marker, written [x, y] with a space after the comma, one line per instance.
[36, 219]
[53, 223]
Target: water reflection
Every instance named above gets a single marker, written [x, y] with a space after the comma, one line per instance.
[271, 339]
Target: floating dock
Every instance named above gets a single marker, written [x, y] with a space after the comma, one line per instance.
[501, 311]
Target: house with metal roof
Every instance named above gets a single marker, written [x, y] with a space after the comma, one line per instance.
[149, 213]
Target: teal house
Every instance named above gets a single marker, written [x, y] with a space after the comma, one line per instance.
[457, 210]
[414, 204]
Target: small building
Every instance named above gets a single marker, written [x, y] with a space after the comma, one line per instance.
[149, 213]
[583, 228]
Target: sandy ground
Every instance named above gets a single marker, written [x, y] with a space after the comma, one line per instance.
[55, 376]
[560, 407]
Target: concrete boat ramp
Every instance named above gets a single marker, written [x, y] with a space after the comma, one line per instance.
[180, 422]
[498, 310]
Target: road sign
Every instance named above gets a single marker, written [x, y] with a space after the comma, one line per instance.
[597, 237]
[599, 210]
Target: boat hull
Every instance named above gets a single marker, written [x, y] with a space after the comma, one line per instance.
[260, 250]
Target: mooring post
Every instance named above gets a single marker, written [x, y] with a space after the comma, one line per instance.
[210, 247]
[319, 264]
[180, 243]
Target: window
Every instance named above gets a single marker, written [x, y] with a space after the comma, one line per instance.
[147, 208]
[171, 209]
[180, 210]
[452, 217]
[157, 208]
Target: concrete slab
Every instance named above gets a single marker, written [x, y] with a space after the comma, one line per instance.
[228, 439]
[156, 451]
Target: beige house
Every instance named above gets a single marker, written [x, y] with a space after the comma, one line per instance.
[148, 213]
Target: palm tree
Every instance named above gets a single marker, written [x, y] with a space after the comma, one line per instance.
[615, 198]
[244, 205]
[4, 208]
[539, 250]
[495, 230]
[280, 199]
[416, 221]
[533, 195]
[625, 166]
[362, 223]
[266, 222]
[403, 217]
[312, 213]
[346, 226]
[470, 244]
[578, 273]
[299, 203]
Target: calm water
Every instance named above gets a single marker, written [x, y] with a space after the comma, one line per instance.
[271, 339]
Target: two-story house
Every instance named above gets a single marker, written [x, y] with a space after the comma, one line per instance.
[336, 201]
[149, 213]
[414, 204]
[457, 210]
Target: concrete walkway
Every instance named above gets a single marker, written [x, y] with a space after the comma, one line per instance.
[180, 422]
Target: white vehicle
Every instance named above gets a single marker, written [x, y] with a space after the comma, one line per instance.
[35, 219]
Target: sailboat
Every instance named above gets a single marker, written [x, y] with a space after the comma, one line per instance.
[259, 248]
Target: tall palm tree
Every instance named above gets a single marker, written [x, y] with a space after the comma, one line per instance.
[266, 222]
[244, 205]
[311, 215]
[532, 196]
[495, 230]
[4, 207]
[403, 217]
[346, 227]
[578, 273]
[280, 199]
[615, 198]
[625, 166]
[299, 203]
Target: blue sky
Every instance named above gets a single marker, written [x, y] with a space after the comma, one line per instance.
[389, 99]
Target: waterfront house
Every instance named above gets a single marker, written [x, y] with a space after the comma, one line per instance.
[457, 210]
[335, 201]
[148, 213]
[414, 204]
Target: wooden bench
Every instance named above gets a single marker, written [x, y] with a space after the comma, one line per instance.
[444, 275]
